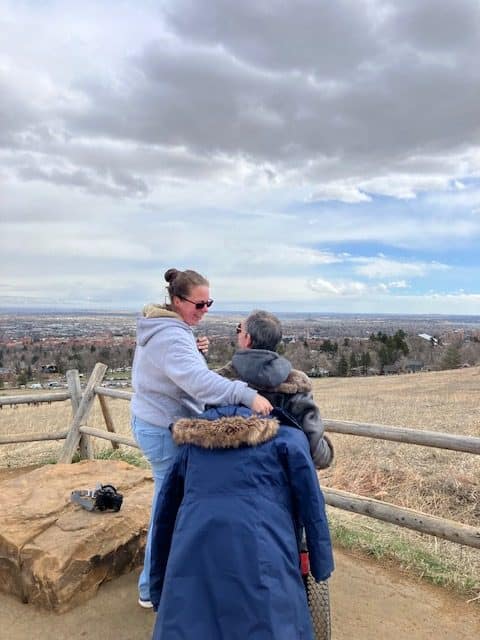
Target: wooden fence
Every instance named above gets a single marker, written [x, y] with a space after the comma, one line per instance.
[78, 435]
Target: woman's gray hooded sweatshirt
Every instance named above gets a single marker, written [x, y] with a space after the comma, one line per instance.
[170, 377]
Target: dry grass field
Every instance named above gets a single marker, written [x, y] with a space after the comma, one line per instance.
[439, 482]
[436, 481]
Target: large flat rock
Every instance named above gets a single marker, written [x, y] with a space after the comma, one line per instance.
[56, 554]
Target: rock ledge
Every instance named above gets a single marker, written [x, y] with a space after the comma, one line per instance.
[55, 554]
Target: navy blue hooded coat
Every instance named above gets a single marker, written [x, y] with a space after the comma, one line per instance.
[225, 560]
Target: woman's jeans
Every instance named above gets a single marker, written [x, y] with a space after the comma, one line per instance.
[159, 448]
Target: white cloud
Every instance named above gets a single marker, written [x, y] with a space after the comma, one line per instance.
[291, 256]
[404, 186]
[381, 267]
[341, 192]
[338, 288]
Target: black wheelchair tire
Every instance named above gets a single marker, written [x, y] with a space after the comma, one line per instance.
[318, 597]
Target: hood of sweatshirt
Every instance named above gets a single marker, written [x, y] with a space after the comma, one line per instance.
[155, 318]
[261, 368]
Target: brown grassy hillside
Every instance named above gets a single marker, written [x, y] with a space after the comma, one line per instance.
[443, 483]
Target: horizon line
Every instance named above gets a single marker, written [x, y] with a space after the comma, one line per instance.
[119, 311]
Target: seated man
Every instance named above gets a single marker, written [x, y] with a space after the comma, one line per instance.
[256, 363]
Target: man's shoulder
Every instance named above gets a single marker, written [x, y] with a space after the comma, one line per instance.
[296, 382]
[228, 371]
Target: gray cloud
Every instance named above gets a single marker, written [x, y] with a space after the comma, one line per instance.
[438, 27]
[120, 183]
[326, 39]
[17, 114]
[317, 91]
[225, 90]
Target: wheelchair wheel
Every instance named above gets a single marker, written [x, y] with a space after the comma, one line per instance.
[318, 597]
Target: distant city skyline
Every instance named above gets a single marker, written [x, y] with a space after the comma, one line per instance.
[310, 157]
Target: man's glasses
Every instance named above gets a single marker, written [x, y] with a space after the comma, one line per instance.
[198, 305]
[238, 328]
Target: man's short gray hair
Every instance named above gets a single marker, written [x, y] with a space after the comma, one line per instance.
[264, 329]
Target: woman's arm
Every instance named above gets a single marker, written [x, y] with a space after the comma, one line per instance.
[184, 365]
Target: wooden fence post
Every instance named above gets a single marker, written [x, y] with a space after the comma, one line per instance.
[75, 389]
[107, 416]
[73, 437]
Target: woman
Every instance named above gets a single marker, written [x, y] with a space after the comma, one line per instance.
[171, 380]
[225, 559]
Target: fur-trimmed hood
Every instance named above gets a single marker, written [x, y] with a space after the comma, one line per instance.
[266, 371]
[225, 428]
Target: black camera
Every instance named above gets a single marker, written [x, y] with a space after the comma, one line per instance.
[108, 498]
[103, 498]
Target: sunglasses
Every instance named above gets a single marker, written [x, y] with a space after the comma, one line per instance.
[198, 305]
[238, 328]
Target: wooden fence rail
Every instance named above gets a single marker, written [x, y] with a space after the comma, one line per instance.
[113, 393]
[79, 434]
[34, 398]
[113, 437]
[33, 437]
[404, 517]
[465, 444]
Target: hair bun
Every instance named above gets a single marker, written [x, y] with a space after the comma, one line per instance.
[171, 274]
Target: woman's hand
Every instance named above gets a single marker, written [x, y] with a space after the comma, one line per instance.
[202, 344]
[261, 405]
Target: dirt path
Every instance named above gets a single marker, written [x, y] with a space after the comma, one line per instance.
[368, 602]
[373, 602]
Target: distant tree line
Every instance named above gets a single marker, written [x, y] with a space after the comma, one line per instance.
[28, 363]
[347, 356]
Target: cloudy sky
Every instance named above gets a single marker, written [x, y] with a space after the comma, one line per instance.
[305, 156]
